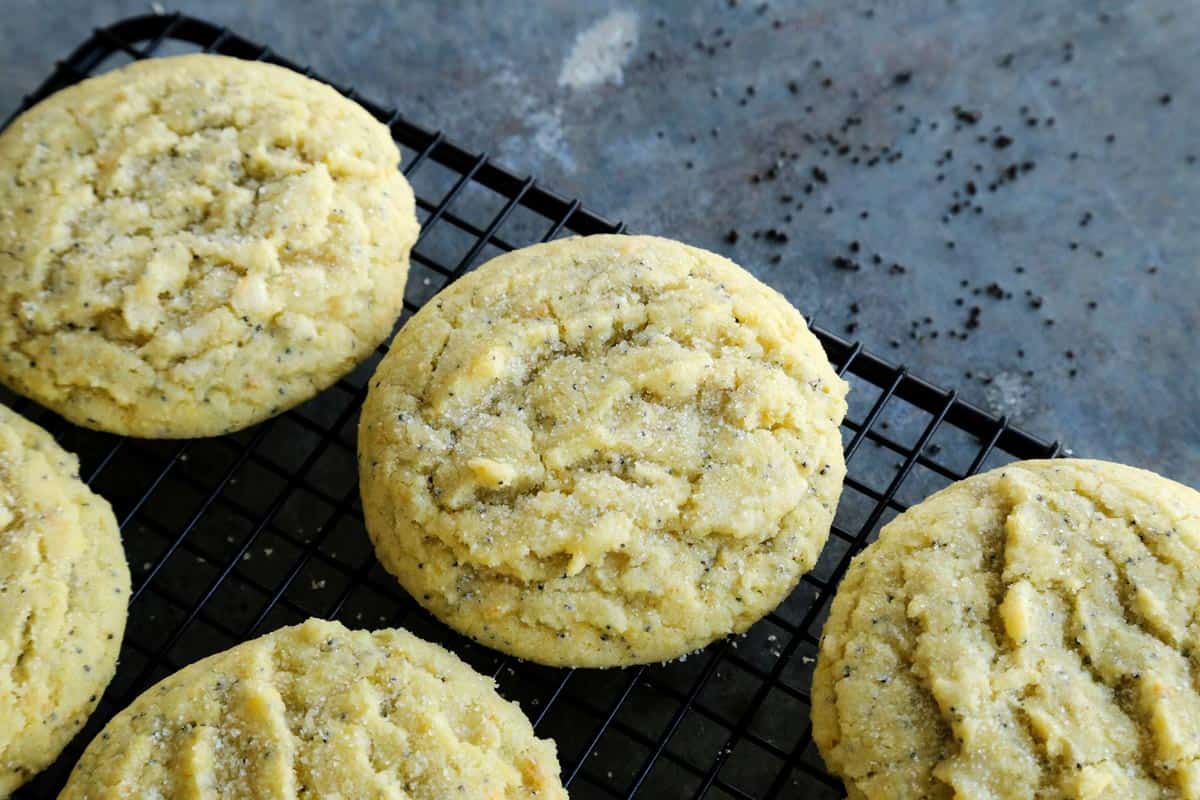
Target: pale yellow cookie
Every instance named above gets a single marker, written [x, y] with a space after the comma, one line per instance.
[64, 586]
[1029, 632]
[190, 245]
[601, 451]
[319, 711]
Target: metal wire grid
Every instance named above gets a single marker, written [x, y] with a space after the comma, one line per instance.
[231, 537]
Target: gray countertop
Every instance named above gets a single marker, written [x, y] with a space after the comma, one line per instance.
[1000, 195]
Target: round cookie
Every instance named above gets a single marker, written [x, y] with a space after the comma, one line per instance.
[192, 244]
[602, 451]
[1028, 632]
[64, 586]
[317, 710]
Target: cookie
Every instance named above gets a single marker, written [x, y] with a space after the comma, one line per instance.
[1028, 632]
[193, 244]
[64, 586]
[317, 710]
[601, 451]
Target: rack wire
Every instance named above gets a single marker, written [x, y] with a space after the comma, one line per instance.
[221, 539]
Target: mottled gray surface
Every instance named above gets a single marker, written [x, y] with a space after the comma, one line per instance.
[640, 146]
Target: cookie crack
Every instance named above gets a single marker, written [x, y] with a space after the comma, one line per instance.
[25, 652]
[1073, 644]
[1039, 746]
[1126, 585]
[288, 740]
[1118, 690]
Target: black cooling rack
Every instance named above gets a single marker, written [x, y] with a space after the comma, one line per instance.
[231, 537]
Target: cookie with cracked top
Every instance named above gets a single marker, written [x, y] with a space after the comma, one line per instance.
[317, 710]
[192, 244]
[1027, 632]
[64, 587]
[603, 450]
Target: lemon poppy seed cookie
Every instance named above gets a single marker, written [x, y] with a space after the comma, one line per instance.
[189, 245]
[317, 710]
[64, 587]
[1028, 632]
[601, 451]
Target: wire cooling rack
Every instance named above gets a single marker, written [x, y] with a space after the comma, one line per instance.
[231, 537]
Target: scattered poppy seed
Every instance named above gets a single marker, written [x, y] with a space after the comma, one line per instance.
[966, 116]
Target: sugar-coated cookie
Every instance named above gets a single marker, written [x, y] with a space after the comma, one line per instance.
[601, 451]
[64, 587]
[190, 245]
[314, 711]
[1028, 632]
